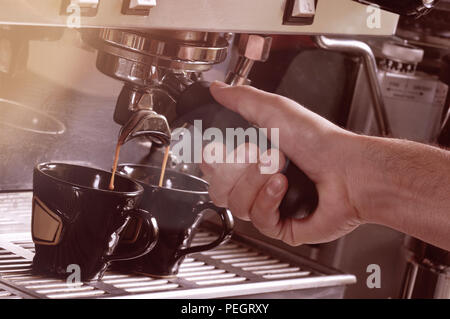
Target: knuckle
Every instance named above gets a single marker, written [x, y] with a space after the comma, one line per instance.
[237, 211]
[288, 239]
[254, 217]
[277, 99]
[291, 241]
[240, 205]
[288, 235]
[247, 152]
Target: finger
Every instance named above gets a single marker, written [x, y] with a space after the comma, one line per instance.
[254, 105]
[223, 176]
[324, 225]
[274, 112]
[213, 154]
[263, 108]
[245, 191]
[264, 213]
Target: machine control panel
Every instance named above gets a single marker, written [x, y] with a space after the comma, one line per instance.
[250, 16]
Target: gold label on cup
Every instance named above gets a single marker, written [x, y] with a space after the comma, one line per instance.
[46, 226]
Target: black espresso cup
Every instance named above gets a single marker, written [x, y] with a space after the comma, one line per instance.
[77, 221]
[178, 208]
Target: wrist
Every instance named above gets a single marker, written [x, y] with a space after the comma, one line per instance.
[372, 185]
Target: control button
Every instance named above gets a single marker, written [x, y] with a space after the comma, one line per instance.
[299, 12]
[304, 8]
[137, 7]
[90, 4]
[142, 4]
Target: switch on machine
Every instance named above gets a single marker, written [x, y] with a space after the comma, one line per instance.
[138, 7]
[142, 4]
[304, 8]
[299, 12]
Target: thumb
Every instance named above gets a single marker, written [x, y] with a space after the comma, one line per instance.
[256, 106]
[271, 111]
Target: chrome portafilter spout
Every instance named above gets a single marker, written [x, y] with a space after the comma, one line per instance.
[142, 113]
[155, 66]
[148, 124]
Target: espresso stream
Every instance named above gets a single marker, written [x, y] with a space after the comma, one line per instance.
[163, 168]
[114, 168]
[116, 161]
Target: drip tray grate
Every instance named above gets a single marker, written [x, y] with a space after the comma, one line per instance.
[240, 267]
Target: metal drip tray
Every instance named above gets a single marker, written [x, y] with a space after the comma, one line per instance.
[240, 268]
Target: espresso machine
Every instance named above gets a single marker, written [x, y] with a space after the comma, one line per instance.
[151, 62]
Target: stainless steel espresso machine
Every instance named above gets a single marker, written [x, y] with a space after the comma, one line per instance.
[75, 74]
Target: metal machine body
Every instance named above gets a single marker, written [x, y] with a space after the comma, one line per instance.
[330, 16]
[156, 50]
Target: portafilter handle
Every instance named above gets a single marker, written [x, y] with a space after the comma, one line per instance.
[196, 102]
[301, 198]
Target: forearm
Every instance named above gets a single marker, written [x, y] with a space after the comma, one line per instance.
[403, 185]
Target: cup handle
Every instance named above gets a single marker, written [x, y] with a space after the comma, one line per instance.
[227, 228]
[150, 223]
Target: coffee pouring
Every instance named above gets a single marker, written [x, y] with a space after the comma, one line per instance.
[170, 85]
[147, 124]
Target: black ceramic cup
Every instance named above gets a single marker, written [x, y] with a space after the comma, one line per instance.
[78, 221]
[178, 208]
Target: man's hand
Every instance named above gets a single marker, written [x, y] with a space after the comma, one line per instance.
[397, 183]
[314, 144]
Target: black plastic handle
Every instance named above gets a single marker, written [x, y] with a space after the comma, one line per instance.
[150, 223]
[196, 102]
[227, 229]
